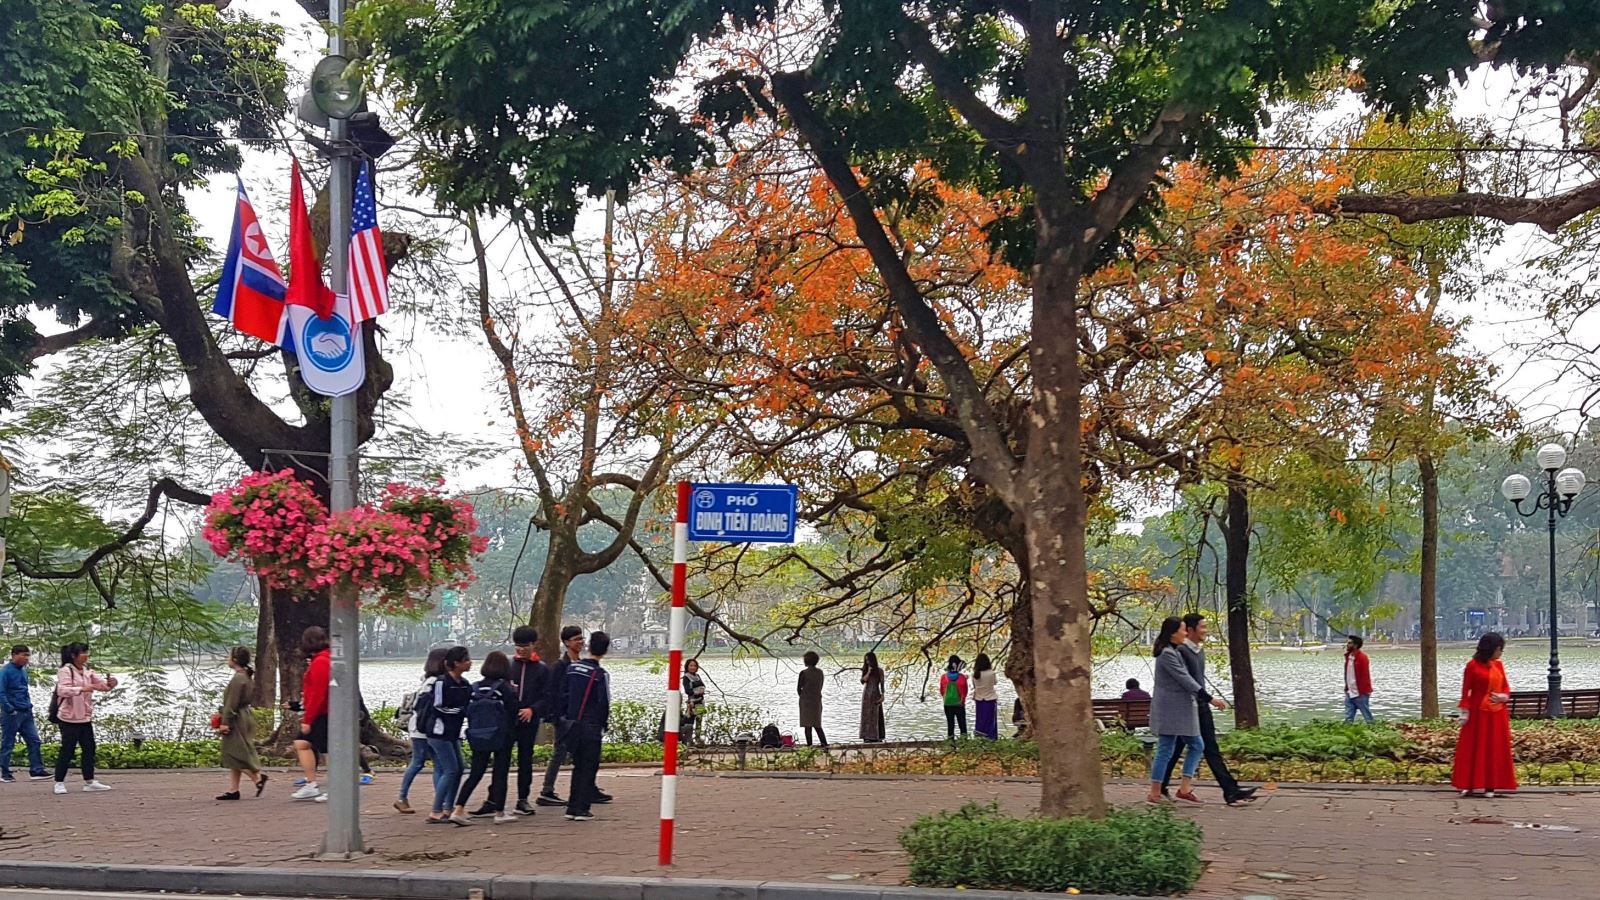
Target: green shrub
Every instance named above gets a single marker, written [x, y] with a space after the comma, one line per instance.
[1144, 852]
[1316, 740]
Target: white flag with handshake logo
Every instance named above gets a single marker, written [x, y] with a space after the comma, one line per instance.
[331, 361]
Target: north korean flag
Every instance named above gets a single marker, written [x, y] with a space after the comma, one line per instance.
[251, 294]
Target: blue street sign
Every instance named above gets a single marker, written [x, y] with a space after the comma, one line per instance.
[743, 513]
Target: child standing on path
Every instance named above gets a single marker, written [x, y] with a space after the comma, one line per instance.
[953, 687]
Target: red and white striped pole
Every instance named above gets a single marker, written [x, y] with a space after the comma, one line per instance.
[680, 596]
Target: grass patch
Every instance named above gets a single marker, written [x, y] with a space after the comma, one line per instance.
[1143, 852]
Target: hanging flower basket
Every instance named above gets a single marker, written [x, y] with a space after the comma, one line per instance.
[266, 522]
[447, 525]
[382, 555]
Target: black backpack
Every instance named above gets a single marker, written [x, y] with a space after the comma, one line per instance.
[771, 737]
[486, 718]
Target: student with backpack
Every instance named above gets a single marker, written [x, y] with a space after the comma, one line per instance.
[444, 714]
[410, 717]
[588, 715]
[489, 714]
[953, 688]
[556, 702]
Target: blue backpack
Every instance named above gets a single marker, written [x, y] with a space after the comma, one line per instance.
[486, 718]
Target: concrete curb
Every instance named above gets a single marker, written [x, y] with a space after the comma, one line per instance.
[391, 884]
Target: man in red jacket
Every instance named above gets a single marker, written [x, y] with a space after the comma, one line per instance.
[1357, 681]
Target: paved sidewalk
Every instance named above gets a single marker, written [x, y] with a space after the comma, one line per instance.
[1294, 844]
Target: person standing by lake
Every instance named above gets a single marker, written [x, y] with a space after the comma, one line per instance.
[530, 678]
[313, 739]
[693, 688]
[985, 698]
[873, 725]
[431, 670]
[953, 689]
[810, 688]
[1174, 716]
[1357, 681]
[237, 725]
[73, 700]
[446, 711]
[1483, 763]
[16, 716]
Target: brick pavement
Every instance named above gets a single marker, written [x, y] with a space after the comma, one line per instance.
[1405, 845]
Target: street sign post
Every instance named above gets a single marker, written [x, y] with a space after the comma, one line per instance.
[742, 513]
[728, 513]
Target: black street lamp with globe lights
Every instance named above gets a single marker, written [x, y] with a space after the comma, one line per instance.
[1562, 486]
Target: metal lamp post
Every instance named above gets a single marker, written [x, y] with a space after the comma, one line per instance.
[1561, 487]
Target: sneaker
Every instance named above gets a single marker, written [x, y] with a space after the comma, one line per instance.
[601, 796]
[39, 776]
[503, 818]
[366, 778]
[307, 791]
[549, 798]
[460, 821]
[7, 779]
[524, 808]
[61, 788]
[483, 812]
[299, 781]
[92, 787]
[322, 798]
[580, 817]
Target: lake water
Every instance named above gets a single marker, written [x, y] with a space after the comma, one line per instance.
[1291, 686]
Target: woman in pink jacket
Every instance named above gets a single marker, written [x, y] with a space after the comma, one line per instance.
[72, 708]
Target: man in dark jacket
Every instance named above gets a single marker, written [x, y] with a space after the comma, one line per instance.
[529, 682]
[588, 713]
[1194, 657]
[555, 707]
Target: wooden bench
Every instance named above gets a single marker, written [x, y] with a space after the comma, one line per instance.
[1124, 714]
[1580, 703]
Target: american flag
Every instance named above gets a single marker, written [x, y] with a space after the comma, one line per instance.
[369, 285]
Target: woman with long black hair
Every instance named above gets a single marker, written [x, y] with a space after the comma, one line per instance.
[873, 725]
[986, 698]
[1174, 716]
[1483, 763]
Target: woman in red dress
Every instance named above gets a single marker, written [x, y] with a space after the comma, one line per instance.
[1483, 750]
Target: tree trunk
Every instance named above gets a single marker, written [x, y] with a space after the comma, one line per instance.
[1236, 537]
[550, 600]
[266, 685]
[1019, 662]
[1051, 496]
[1428, 611]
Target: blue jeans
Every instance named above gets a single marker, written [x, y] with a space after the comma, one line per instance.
[446, 773]
[19, 721]
[1169, 746]
[1361, 704]
[419, 757]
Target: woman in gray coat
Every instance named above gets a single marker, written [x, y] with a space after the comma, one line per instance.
[1173, 713]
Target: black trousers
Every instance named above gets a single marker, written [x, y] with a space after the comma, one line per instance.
[953, 716]
[500, 760]
[585, 766]
[821, 737]
[558, 757]
[76, 737]
[523, 737]
[1214, 760]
